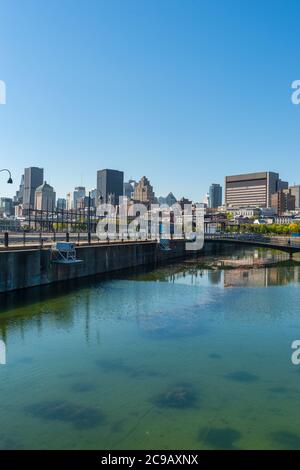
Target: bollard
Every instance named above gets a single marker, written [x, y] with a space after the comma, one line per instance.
[6, 239]
[67, 237]
[24, 238]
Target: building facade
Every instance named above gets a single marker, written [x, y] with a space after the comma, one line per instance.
[45, 198]
[252, 189]
[144, 193]
[215, 196]
[283, 201]
[128, 188]
[33, 178]
[6, 207]
[249, 212]
[109, 186]
[282, 185]
[184, 201]
[20, 193]
[78, 194]
[83, 203]
[295, 191]
[69, 200]
[61, 204]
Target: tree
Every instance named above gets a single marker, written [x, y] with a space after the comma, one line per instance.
[293, 228]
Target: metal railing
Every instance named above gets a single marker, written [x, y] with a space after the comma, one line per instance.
[286, 241]
[46, 239]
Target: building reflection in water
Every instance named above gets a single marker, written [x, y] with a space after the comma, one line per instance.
[65, 306]
[261, 277]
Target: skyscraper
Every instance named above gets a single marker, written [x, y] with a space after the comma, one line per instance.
[93, 196]
[18, 199]
[78, 193]
[253, 189]
[61, 204]
[215, 196]
[110, 186]
[6, 206]
[128, 188]
[144, 192]
[45, 198]
[295, 191]
[33, 177]
[69, 202]
[283, 201]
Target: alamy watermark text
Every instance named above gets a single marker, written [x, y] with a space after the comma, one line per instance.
[2, 353]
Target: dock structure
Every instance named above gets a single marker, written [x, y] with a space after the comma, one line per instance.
[285, 244]
[30, 267]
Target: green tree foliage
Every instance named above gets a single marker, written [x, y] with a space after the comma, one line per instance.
[265, 229]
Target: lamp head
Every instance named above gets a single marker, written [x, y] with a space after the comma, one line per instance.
[10, 181]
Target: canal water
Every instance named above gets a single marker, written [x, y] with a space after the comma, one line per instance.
[180, 357]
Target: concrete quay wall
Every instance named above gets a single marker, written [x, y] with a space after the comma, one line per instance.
[20, 269]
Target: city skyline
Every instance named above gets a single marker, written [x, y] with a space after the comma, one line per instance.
[74, 189]
[154, 104]
[214, 195]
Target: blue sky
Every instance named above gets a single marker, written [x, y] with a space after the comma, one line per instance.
[182, 91]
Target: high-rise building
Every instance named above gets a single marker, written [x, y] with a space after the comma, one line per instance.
[78, 193]
[93, 193]
[33, 178]
[128, 188]
[61, 204]
[83, 203]
[110, 186]
[18, 199]
[215, 196]
[143, 192]
[295, 191]
[45, 198]
[206, 200]
[283, 201]
[6, 207]
[69, 200]
[93, 196]
[282, 185]
[253, 189]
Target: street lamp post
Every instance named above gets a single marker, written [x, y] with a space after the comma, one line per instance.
[89, 219]
[9, 181]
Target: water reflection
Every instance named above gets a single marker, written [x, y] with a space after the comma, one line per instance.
[111, 363]
[243, 268]
[261, 277]
[63, 303]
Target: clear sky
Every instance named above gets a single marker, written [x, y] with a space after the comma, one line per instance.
[182, 91]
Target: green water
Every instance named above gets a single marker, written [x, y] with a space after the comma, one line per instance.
[176, 358]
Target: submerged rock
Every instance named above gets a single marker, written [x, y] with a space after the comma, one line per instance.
[242, 376]
[177, 397]
[79, 416]
[220, 438]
